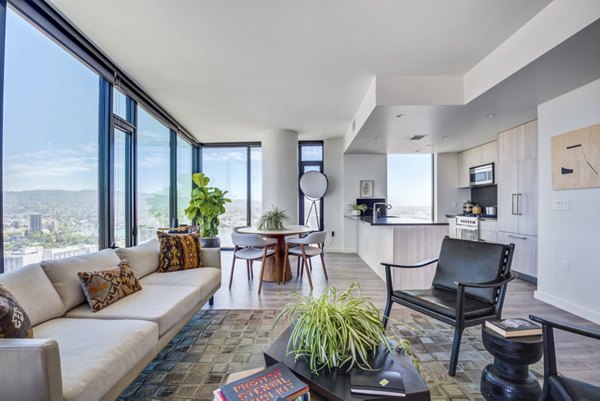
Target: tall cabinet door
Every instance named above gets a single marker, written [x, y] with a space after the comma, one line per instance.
[508, 176]
[527, 197]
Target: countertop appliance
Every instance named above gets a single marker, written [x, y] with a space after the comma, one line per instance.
[467, 227]
[482, 175]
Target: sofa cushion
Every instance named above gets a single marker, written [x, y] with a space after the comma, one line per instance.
[178, 252]
[143, 258]
[34, 292]
[207, 279]
[63, 273]
[95, 354]
[14, 322]
[104, 287]
[164, 305]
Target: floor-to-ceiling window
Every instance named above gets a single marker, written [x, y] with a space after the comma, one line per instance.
[236, 169]
[153, 175]
[310, 159]
[50, 157]
[410, 185]
[184, 177]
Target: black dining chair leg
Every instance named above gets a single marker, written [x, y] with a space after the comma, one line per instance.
[232, 268]
[386, 313]
[252, 269]
[298, 272]
[248, 269]
[310, 263]
[458, 331]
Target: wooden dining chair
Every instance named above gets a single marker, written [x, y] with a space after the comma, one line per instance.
[306, 248]
[251, 247]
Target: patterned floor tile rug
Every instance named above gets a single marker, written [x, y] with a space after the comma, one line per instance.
[217, 342]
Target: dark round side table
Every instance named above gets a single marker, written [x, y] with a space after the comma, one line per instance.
[508, 378]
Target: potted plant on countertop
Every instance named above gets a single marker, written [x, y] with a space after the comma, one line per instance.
[338, 331]
[206, 205]
[273, 220]
[357, 210]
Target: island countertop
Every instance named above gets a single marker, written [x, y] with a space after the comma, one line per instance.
[395, 221]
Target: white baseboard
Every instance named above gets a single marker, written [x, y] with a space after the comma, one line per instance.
[578, 310]
[339, 250]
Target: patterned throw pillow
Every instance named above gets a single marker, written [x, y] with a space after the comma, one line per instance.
[14, 322]
[178, 252]
[104, 287]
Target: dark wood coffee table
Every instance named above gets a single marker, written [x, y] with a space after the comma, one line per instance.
[335, 385]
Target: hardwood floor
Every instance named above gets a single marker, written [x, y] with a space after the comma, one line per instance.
[578, 357]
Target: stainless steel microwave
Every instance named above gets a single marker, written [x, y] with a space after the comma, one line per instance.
[482, 175]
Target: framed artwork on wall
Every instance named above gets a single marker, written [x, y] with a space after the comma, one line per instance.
[366, 188]
[576, 159]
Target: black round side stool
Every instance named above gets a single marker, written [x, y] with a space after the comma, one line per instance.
[508, 378]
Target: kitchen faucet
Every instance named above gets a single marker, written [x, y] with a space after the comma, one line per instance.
[376, 209]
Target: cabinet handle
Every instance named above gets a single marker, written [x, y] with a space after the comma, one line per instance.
[515, 236]
[519, 205]
[512, 206]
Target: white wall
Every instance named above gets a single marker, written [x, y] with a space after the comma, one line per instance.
[359, 167]
[280, 171]
[448, 199]
[334, 198]
[571, 235]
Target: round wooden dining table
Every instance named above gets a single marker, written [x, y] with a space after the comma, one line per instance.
[273, 266]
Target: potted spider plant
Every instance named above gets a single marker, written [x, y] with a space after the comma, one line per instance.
[338, 331]
[273, 220]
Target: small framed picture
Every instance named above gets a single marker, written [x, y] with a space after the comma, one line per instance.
[366, 188]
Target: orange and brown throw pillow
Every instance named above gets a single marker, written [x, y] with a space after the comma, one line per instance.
[104, 287]
[14, 322]
[178, 252]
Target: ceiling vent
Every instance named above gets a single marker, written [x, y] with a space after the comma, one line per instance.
[417, 137]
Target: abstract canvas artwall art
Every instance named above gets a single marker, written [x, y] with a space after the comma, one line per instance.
[576, 159]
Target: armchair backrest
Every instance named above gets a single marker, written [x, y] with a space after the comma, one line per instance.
[471, 262]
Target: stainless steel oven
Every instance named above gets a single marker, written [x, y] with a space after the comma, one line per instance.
[467, 227]
[482, 175]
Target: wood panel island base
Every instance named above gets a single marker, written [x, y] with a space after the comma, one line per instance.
[401, 241]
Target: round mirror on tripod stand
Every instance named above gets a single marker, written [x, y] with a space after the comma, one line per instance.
[313, 185]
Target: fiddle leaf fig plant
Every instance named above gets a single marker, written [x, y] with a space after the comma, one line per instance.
[273, 220]
[206, 205]
[338, 330]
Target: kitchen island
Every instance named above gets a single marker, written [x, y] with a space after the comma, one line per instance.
[399, 240]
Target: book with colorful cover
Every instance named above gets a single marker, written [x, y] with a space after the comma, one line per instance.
[274, 382]
[385, 383]
[514, 327]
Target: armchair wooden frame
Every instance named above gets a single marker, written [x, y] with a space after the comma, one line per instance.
[552, 390]
[460, 322]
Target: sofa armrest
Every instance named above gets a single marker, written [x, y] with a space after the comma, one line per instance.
[211, 257]
[31, 370]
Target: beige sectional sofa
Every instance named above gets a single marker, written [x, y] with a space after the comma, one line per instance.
[80, 355]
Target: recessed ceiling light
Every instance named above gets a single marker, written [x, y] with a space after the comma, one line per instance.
[417, 151]
[400, 115]
[445, 137]
[428, 144]
[377, 138]
[489, 115]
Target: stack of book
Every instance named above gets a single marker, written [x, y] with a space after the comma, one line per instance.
[274, 383]
[510, 328]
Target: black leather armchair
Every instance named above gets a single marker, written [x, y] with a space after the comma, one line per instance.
[561, 388]
[468, 288]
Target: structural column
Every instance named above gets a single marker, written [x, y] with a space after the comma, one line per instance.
[280, 171]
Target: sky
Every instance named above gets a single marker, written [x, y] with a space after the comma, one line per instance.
[409, 179]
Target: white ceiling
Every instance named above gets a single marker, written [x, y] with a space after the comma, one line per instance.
[228, 70]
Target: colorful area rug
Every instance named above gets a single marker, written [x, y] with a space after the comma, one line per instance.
[217, 342]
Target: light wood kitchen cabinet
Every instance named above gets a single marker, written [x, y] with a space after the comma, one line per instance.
[484, 154]
[489, 152]
[525, 255]
[517, 179]
[516, 174]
